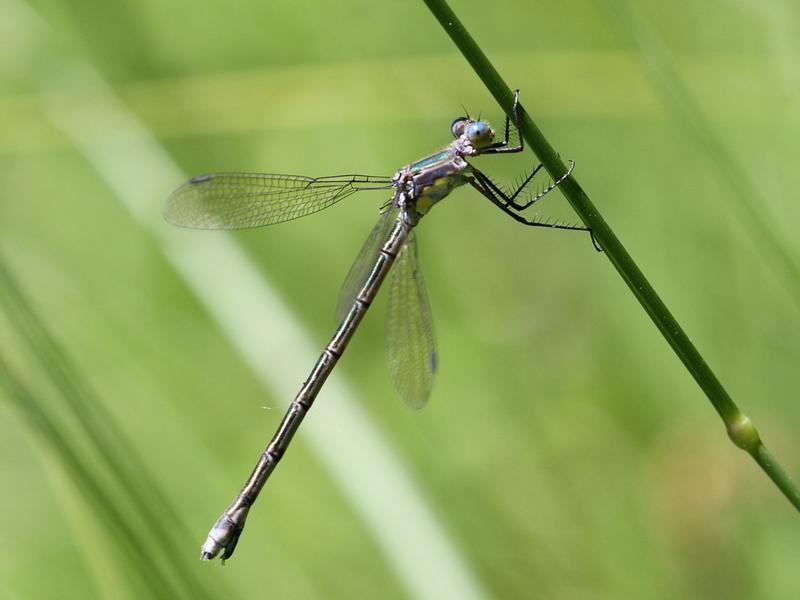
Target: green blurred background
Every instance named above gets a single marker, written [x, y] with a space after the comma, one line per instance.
[565, 453]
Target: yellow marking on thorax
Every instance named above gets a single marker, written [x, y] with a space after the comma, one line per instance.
[433, 193]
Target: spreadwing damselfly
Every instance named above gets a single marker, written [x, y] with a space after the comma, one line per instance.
[244, 200]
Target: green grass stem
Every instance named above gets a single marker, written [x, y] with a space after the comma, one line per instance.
[740, 429]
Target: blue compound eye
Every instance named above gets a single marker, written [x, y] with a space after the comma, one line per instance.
[475, 130]
[458, 126]
[479, 133]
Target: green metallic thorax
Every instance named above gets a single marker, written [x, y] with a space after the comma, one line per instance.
[430, 161]
[435, 176]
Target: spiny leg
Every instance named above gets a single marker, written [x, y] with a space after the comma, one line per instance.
[534, 222]
[499, 198]
[487, 182]
[502, 147]
[508, 200]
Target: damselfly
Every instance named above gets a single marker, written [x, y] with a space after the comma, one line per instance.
[242, 200]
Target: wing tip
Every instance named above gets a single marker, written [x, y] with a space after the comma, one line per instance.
[174, 211]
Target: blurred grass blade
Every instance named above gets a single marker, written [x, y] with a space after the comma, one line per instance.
[142, 570]
[754, 217]
[106, 442]
[739, 427]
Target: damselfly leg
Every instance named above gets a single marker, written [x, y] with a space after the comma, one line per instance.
[502, 146]
[508, 204]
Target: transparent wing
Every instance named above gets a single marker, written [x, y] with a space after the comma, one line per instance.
[410, 343]
[241, 200]
[364, 262]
